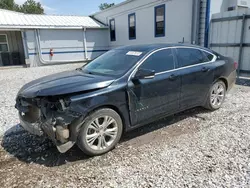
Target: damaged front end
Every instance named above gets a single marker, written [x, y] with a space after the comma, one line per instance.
[52, 117]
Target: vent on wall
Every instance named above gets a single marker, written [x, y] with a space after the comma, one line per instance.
[231, 8]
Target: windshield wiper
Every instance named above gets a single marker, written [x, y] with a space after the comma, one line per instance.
[86, 72]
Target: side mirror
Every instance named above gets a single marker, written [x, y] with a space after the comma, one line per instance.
[144, 74]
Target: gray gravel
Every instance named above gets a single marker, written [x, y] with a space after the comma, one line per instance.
[195, 148]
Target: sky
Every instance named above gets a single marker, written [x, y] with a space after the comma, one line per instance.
[71, 7]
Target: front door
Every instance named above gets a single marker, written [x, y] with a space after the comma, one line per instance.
[154, 97]
[197, 74]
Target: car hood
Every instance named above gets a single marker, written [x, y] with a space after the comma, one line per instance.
[64, 83]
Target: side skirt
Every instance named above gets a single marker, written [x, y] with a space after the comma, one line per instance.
[146, 122]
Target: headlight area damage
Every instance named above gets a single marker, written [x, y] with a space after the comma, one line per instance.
[50, 116]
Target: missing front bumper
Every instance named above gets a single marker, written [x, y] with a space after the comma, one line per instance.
[59, 136]
[33, 128]
[43, 118]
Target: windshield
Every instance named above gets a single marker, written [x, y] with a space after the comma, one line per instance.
[113, 63]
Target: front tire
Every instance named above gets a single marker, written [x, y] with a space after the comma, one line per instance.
[100, 133]
[216, 96]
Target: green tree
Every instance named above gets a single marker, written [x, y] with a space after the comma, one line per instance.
[104, 6]
[32, 7]
[29, 7]
[9, 5]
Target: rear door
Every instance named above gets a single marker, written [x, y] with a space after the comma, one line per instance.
[150, 98]
[197, 74]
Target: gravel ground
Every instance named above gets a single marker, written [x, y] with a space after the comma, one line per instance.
[195, 148]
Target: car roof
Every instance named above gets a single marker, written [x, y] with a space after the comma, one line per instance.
[152, 47]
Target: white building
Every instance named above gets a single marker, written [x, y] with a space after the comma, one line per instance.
[180, 20]
[42, 39]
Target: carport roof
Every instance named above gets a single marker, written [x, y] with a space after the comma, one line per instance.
[16, 20]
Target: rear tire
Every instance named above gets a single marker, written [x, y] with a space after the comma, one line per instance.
[216, 96]
[100, 133]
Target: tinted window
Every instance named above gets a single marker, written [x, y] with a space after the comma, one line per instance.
[218, 56]
[132, 31]
[160, 61]
[160, 21]
[209, 56]
[113, 63]
[189, 56]
[112, 30]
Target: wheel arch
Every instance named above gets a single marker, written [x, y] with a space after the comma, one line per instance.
[113, 107]
[81, 138]
[224, 80]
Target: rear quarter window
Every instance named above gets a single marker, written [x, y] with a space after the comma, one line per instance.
[190, 56]
[209, 56]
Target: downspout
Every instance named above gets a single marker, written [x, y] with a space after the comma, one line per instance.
[85, 43]
[44, 62]
[195, 22]
[25, 47]
[207, 23]
[242, 36]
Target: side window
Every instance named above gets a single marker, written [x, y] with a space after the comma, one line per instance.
[190, 56]
[159, 61]
[209, 56]
[112, 30]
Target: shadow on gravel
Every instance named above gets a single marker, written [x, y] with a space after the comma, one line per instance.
[165, 122]
[34, 149]
[243, 82]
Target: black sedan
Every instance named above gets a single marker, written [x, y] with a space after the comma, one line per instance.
[121, 90]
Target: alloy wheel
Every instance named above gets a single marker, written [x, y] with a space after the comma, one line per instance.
[101, 133]
[217, 95]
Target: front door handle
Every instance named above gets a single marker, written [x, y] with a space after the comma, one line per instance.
[173, 77]
[205, 69]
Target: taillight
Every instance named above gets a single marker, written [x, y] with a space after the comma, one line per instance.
[235, 65]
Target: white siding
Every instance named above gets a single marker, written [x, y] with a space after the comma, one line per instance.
[31, 45]
[230, 32]
[178, 21]
[97, 42]
[66, 44]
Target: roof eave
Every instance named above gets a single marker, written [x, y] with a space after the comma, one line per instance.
[115, 6]
[47, 27]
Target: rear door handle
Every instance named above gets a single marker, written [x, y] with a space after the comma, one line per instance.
[173, 77]
[205, 69]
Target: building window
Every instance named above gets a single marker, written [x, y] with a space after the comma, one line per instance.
[4, 43]
[112, 30]
[132, 26]
[160, 21]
